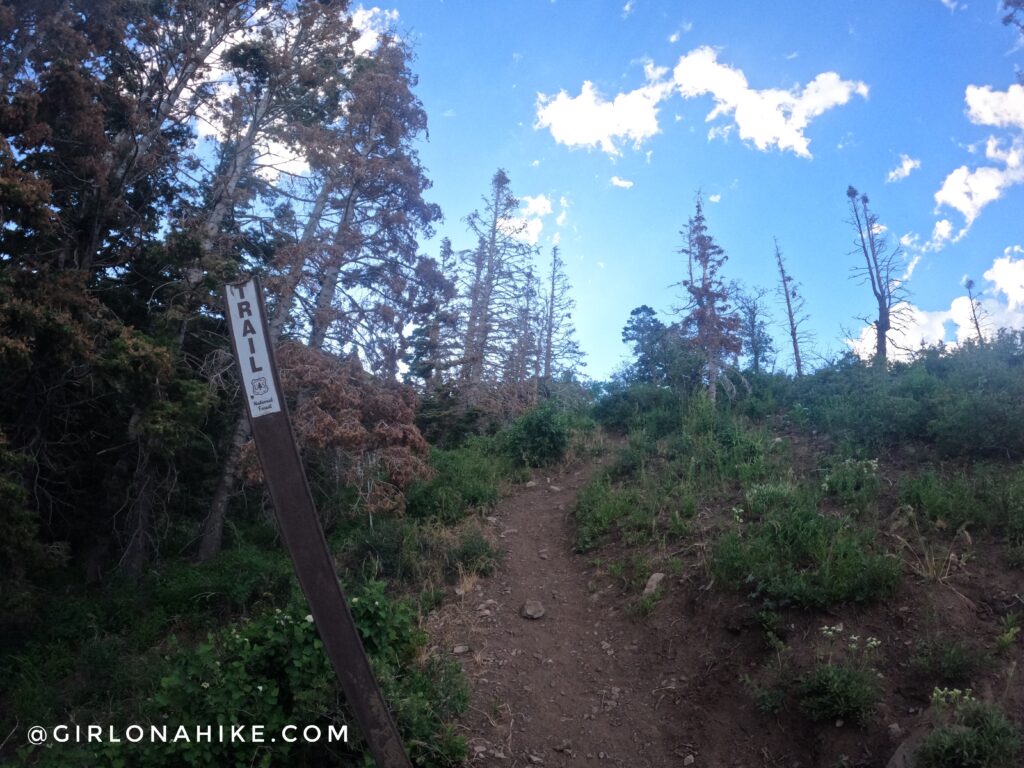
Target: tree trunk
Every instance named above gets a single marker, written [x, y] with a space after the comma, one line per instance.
[787, 294]
[881, 342]
[321, 320]
[213, 526]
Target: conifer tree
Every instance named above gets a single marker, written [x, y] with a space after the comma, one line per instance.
[560, 352]
[707, 317]
[493, 277]
[758, 345]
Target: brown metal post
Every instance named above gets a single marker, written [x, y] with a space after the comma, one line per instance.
[300, 528]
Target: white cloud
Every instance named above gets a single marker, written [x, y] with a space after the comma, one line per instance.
[529, 223]
[771, 117]
[685, 27]
[953, 5]
[968, 191]
[535, 164]
[911, 266]
[907, 166]
[622, 183]
[997, 108]
[715, 199]
[274, 158]
[563, 213]
[1007, 276]
[589, 120]
[371, 23]
[536, 206]
[522, 228]
[917, 327]
[628, 8]
[942, 232]
[720, 131]
[1002, 306]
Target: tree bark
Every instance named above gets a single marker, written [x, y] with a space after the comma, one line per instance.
[213, 526]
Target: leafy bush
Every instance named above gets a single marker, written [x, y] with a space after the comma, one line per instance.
[981, 736]
[539, 438]
[967, 402]
[947, 501]
[232, 581]
[393, 548]
[465, 478]
[801, 557]
[271, 670]
[838, 691]
[640, 406]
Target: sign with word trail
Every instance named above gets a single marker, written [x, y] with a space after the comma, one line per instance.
[300, 528]
[252, 346]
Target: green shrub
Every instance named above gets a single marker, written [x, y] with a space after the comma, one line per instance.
[967, 402]
[981, 736]
[393, 548]
[539, 438]
[232, 581]
[472, 554]
[640, 406]
[271, 670]
[465, 479]
[801, 557]
[835, 691]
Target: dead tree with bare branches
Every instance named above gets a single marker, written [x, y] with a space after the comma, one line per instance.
[880, 270]
[789, 290]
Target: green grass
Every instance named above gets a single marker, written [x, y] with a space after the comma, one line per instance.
[599, 508]
[988, 498]
[854, 483]
[800, 557]
[981, 736]
[947, 661]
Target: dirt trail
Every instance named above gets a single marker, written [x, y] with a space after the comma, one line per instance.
[591, 684]
[584, 684]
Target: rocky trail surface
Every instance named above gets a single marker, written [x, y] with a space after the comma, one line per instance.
[561, 674]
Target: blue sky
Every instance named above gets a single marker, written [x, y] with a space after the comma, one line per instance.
[608, 116]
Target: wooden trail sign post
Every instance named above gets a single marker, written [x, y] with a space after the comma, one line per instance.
[300, 527]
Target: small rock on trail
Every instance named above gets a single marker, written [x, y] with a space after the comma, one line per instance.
[653, 583]
[532, 609]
